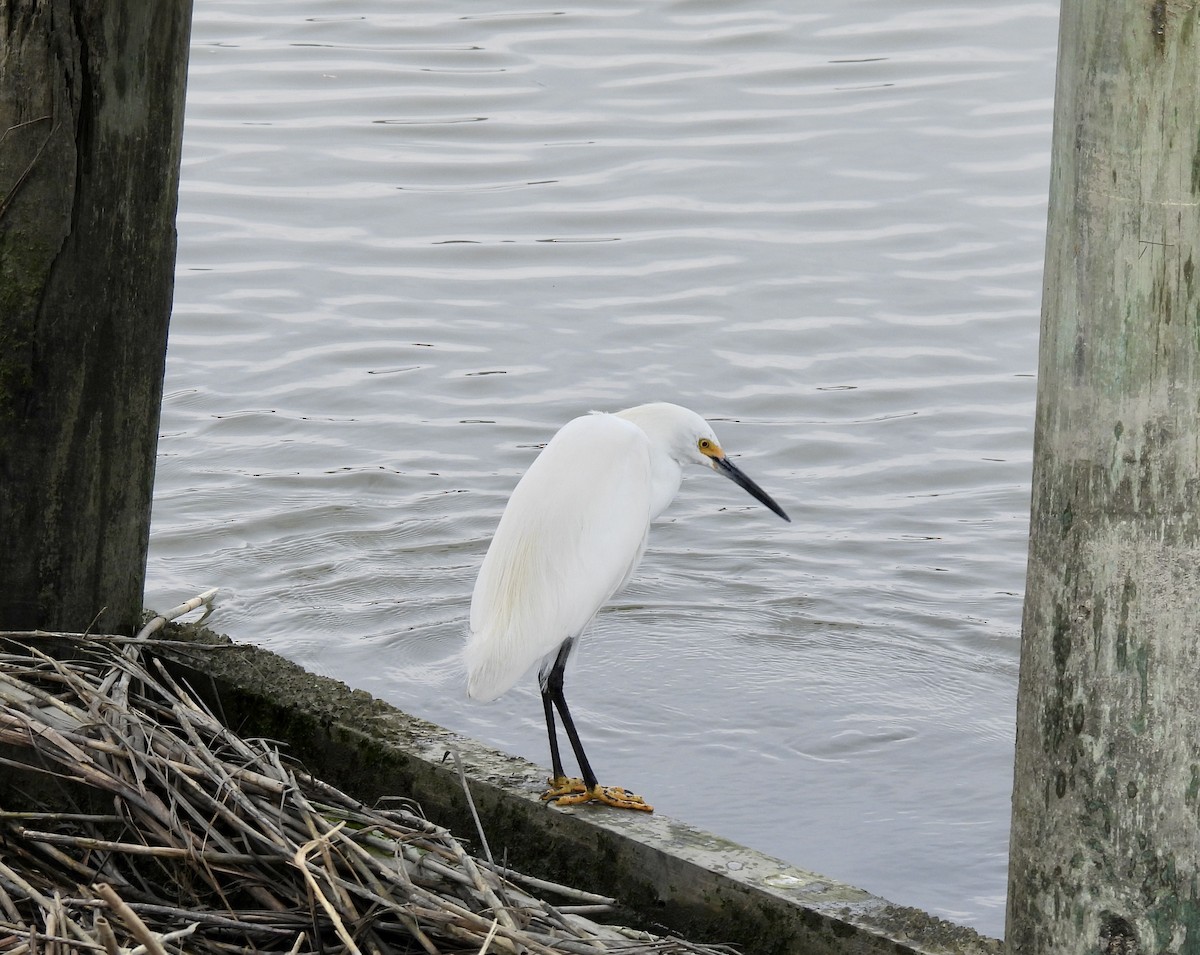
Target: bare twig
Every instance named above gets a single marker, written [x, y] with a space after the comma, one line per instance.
[131, 919]
[315, 889]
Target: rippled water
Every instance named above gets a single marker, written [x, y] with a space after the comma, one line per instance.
[416, 238]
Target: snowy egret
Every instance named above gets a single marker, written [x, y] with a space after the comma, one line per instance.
[570, 537]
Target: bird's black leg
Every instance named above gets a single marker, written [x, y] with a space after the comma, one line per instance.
[564, 791]
[554, 694]
[551, 679]
[555, 758]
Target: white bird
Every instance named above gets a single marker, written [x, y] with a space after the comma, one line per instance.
[574, 530]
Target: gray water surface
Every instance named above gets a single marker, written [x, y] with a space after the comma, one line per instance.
[417, 237]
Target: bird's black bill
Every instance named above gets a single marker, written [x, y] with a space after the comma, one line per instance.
[734, 473]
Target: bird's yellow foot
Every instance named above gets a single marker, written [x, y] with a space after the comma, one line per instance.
[563, 786]
[572, 792]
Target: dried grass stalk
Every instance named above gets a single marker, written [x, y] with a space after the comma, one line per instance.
[185, 837]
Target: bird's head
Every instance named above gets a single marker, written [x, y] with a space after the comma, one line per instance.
[689, 439]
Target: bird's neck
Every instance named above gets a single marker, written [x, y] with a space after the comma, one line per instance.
[667, 476]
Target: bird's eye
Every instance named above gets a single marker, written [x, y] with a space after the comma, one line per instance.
[705, 444]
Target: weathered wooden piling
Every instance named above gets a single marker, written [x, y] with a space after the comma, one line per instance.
[91, 119]
[1105, 853]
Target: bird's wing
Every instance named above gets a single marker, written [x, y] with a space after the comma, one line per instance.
[571, 535]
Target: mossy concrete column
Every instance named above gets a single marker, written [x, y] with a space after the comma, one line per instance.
[1105, 854]
[91, 116]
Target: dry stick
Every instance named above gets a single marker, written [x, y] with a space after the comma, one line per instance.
[192, 718]
[67, 862]
[52, 927]
[137, 848]
[462, 778]
[366, 866]
[195, 806]
[100, 639]
[410, 817]
[19, 694]
[201, 766]
[216, 771]
[44, 903]
[435, 866]
[12, 933]
[157, 623]
[441, 902]
[205, 599]
[368, 895]
[467, 863]
[169, 937]
[490, 935]
[300, 860]
[504, 934]
[583, 947]
[323, 840]
[132, 920]
[396, 875]
[92, 772]
[107, 937]
[174, 913]
[467, 936]
[542, 885]
[410, 923]
[394, 867]
[61, 817]
[6, 903]
[595, 909]
[498, 908]
[578, 927]
[51, 733]
[19, 724]
[156, 817]
[73, 752]
[266, 835]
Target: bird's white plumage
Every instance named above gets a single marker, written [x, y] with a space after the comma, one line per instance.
[571, 535]
[573, 531]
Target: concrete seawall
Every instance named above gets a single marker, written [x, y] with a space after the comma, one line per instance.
[669, 875]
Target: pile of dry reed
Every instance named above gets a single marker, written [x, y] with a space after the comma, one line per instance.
[182, 836]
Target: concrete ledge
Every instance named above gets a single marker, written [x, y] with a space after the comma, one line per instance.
[670, 876]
